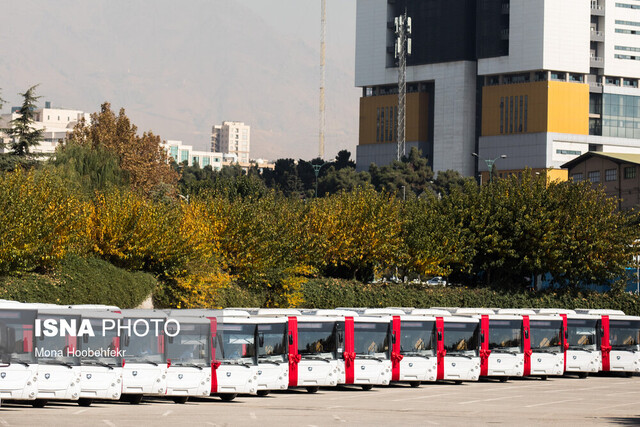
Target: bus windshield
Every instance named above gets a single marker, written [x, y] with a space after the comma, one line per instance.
[58, 349]
[236, 343]
[371, 339]
[505, 335]
[142, 345]
[272, 342]
[191, 346]
[461, 338]
[582, 333]
[545, 335]
[624, 334]
[317, 339]
[417, 338]
[101, 348]
[18, 346]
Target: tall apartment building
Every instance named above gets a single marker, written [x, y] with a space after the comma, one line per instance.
[181, 153]
[232, 138]
[56, 124]
[540, 81]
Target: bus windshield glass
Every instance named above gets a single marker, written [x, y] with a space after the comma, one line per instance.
[582, 333]
[272, 345]
[461, 338]
[236, 343]
[624, 334]
[545, 335]
[190, 346]
[59, 349]
[505, 335]
[143, 345]
[18, 327]
[101, 348]
[371, 339]
[417, 338]
[317, 339]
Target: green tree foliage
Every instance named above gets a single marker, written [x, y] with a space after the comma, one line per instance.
[412, 174]
[230, 182]
[21, 132]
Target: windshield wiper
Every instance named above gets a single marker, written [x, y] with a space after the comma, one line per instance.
[145, 361]
[416, 354]
[309, 357]
[58, 362]
[504, 351]
[236, 362]
[95, 362]
[20, 362]
[545, 350]
[369, 357]
[187, 365]
[268, 361]
[580, 349]
[460, 355]
[624, 347]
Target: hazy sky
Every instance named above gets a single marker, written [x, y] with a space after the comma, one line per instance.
[178, 68]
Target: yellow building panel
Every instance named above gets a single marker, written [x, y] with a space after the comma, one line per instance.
[553, 106]
[374, 129]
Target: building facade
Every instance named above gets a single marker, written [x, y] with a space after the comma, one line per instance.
[232, 138]
[540, 81]
[181, 153]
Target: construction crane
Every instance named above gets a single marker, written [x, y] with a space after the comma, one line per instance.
[403, 49]
[323, 34]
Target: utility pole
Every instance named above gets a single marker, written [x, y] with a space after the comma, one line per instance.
[323, 34]
[403, 49]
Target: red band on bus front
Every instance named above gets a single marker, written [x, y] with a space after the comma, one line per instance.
[441, 353]
[349, 350]
[396, 357]
[526, 340]
[484, 347]
[294, 357]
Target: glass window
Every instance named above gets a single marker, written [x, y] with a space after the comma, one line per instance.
[501, 115]
[18, 325]
[317, 339]
[624, 334]
[272, 342]
[106, 343]
[505, 335]
[59, 349]
[610, 174]
[630, 172]
[594, 177]
[526, 112]
[371, 339]
[191, 346]
[577, 177]
[545, 335]
[461, 338]
[236, 343]
[582, 333]
[417, 338]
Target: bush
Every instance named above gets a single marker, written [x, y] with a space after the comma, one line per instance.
[80, 281]
[172, 295]
[330, 293]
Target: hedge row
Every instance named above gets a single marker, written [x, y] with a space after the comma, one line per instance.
[329, 293]
[80, 281]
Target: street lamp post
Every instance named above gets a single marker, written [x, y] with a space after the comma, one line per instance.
[490, 163]
[316, 171]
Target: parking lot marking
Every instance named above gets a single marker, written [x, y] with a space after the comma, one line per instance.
[488, 400]
[167, 413]
[615, 406]
[79, 412]
[109, 423]
[252, 415]
[3, 422]
[337, 418]
[422, 397]
[553, 403]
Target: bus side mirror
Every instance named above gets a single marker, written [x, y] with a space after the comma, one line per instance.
[11, 338]
[290, 339]
[127, 340]
[85, 338]
[526, 333]
[601, 332]
[393, 338]
[340, 338]
[261, 339]
[439, 336]
[482, 337]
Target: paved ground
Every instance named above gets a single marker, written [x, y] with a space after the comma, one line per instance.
[558, 401]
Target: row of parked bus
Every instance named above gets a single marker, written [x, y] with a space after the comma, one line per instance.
[84, 353]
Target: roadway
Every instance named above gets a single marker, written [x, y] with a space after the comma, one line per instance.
[557, 401]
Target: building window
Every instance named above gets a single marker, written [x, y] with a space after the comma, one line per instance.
[526, 111]
[577, 177]
[630, 172]
[521, 115]
[501, 115]
[184, 156]
[594, 177]
[569, 152]
[511, 114]
[610, 174]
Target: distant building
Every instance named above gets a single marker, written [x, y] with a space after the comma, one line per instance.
[57, 123]
[185, 153]
[618, 173]
[232, 138]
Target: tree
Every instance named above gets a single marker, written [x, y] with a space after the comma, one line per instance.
[2, 101]
[413, 173]
[343, 160]
[142, 158]
[22, 134]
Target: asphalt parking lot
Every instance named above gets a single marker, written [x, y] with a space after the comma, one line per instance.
[557, 401]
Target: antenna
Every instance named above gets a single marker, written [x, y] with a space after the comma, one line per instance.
[403, 48]
[323, 33]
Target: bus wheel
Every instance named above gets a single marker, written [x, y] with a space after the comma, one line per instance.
[134, 399]
[180, 399]
[39, 403]
[457, 382]
[414, 384]
[313, 389]
[85, 402]
[504, 379]
[367, 387]
[263, 393]
[583, 375]
[543, 378]
[228, 397]
[628, 374]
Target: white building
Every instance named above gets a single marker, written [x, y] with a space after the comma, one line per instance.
[56, 123]
[232, 138]
[185, 153]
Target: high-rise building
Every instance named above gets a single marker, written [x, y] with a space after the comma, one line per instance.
[232, 138]
[540, 81]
